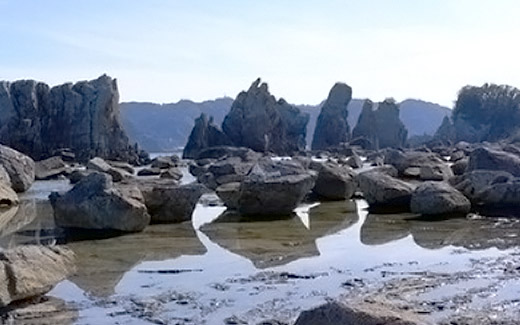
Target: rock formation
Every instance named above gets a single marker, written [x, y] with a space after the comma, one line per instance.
[332, 126]
[382, 127]
[366, 125]
[83, 117]
[259, 122]
[204, 134]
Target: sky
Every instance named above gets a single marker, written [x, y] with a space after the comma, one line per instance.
[164, 51]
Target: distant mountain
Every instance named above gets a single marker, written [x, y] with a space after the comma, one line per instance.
[166, 127]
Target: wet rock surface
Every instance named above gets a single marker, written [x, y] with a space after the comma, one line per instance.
[19, 167]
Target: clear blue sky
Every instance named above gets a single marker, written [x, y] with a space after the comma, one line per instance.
[163, 51]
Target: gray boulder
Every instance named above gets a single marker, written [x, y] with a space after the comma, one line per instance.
[172, 173]
[438, 198]
[460, 166]
[50, 168]
[99, 165]
[31, 271]
[172, 203]
[94, 203]
[472, 183]
[274, 188]
[435, 172]
[501, 194]
[260, 122]
[229, 193]
[122, 165]
[20, 168]
[221, 152]
[359, 313]
[332, 126]
[165, 162]
[335, 182]
[491, 159]
[381, 190]
[403, 160]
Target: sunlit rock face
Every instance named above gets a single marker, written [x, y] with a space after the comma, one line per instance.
[260, 122]
[83, 117]
[332, 126]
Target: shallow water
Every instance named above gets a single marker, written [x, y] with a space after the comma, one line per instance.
[217, 267]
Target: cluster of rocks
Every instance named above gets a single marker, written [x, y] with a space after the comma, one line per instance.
[256, 121]
[259, 122]
[79, 119]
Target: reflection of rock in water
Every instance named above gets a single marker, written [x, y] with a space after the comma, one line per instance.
[30, 223]
[271, 243]
[380, 229]
[473, 234]
[46, 310]
[102, 263]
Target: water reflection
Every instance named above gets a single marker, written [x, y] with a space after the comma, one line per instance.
[474, 233]
[102, 263]
[269, 243]
[31, 222]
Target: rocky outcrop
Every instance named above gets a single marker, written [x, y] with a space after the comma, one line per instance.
[204, 135]
[19, 167]
[259, 122]
[438, 198]
[332, 127]
[381, 127]
[94, 203]
[31, 271]
[83, 117]
[501, 194]
[366, 127]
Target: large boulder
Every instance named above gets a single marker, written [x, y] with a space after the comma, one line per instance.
[335, 182]
[491, 159]
[403, 160]
[381, 190]
[204, 135]
[83, 117]
[438, 198]
[94, 203]
[50, 168]
[20, 168]
[274, 188]
[332, 126]
[359, 313]
[260, 122]
[172, 203]
[31, 271]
